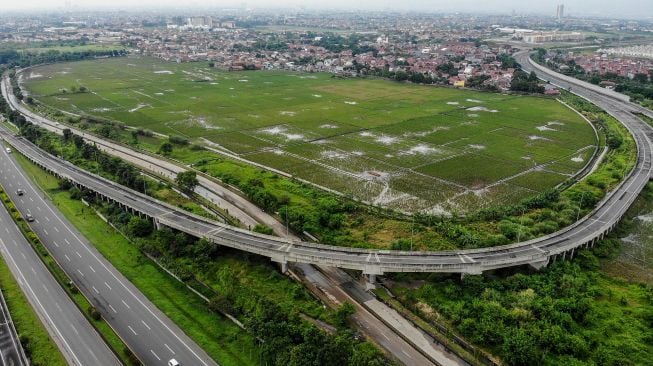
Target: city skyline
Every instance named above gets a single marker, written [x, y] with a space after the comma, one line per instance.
[639, 9]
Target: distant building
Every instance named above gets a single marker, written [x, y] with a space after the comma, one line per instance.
[541, 37]
[200, 22]
[560, 11]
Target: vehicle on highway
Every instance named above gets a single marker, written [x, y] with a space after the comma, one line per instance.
[8, 150]
[173, 362]
[29, 218]
[20, 192]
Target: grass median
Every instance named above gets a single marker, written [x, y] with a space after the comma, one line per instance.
[219, 337]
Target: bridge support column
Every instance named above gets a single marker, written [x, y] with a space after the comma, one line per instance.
[284, 267]
[157, 224]
[537, 265]
[370, 284]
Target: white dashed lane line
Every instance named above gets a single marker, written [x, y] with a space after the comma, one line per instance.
[132, 329]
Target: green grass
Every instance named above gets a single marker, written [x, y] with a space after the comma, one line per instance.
[42, 349]
[330, 131]
[220, 338]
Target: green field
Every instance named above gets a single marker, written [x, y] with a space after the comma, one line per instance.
[407, 147]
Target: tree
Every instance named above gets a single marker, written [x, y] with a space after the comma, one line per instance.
[166, 148]
[67, 134]
[187, 181]
[343, 313]
[139, 227]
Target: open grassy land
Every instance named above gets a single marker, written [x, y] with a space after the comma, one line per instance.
[408, 147]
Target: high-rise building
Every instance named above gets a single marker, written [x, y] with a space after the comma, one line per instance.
[560, 11]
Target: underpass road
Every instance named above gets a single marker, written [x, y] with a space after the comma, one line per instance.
[149, 333]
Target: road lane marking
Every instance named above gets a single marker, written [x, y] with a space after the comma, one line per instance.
[132, 329]
[155, 355]
[38, 301]
[68, 258]
[89, 266]
[74, 329]
[23, 254]
[66, 240]
[169, 349]
[96, 291]
[109, 287]
[123, 301]
[55, 244]
[80, 272]
[146, 326]
[45, 288]
[112, 309]
[33, 270]
[79, 255]
[46, 219]
[38, 208]
[45, 231]
[55, 228]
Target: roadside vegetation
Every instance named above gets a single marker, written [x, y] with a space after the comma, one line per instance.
[575, 312]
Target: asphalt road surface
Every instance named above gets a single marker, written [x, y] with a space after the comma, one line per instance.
[79, 342]
[149, 333]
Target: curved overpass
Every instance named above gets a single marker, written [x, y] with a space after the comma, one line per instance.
[536, 252]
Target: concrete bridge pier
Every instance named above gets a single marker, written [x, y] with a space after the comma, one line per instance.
[537, 265]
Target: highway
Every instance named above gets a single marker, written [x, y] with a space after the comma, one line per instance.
[78, 341]
[535, 252]
[147, 331]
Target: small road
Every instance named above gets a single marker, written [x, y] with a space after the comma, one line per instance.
[151, 335]
[11, 351]
[78, 341]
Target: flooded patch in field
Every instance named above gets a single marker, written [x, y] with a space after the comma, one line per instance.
[426, 133]
[166, 72]
[140, 106]
[453, 103]
[282, 131]
[536, 137]
[387, 140]
[332, 154]
[476, 147]
[350, 102]
[421, 149]
[481, 109]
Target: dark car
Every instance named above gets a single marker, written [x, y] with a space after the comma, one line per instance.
[29, 218]
[20, 192]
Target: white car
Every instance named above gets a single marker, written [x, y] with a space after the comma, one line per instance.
[173, 362]
[8, 150]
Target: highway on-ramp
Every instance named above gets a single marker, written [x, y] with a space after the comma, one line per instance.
[535, 252]
[151, 335]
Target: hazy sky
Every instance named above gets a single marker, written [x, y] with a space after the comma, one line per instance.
[607, 8]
